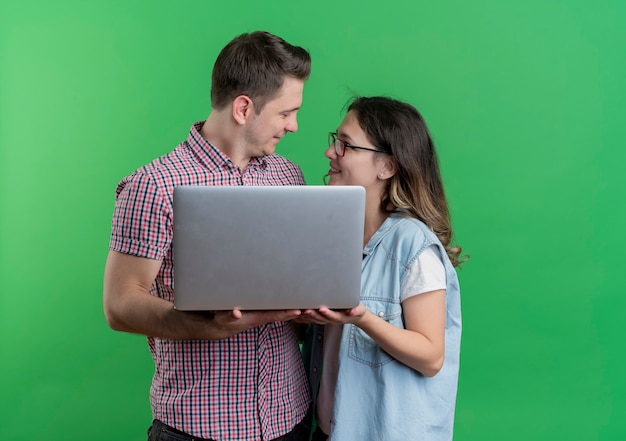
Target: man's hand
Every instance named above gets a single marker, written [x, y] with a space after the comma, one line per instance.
[129, 307]
[225, 324]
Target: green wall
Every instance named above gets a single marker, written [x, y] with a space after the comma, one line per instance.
[525, 101]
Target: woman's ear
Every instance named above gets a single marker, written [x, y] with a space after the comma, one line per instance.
[242, 109]
[388, 168]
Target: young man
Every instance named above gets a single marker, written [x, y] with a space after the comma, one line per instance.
[231, 375]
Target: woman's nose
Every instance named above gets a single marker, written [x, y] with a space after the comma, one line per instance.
[330, 152]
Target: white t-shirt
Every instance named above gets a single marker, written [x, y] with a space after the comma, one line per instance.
[426, 274]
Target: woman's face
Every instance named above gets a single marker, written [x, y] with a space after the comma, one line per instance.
[356, 166]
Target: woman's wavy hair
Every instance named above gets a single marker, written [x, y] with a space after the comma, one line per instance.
[416, 189]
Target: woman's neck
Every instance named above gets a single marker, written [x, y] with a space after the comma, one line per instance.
[374, 218]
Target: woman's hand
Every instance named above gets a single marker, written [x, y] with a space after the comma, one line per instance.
[325, 316]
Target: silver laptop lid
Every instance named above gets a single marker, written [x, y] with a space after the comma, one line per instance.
[262, 247]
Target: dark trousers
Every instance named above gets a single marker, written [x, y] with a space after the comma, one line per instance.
[162, 432]
[318, 435]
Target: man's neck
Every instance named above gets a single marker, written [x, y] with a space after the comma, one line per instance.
[220, 132]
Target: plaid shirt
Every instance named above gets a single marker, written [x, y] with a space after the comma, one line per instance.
[251, 386]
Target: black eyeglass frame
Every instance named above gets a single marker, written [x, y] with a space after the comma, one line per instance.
[336, 142]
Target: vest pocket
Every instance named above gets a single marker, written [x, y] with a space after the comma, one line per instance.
[362, 347]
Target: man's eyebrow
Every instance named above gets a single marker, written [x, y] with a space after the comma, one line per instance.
[291, 110]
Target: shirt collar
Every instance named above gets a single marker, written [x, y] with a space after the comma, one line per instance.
[388, 225]
[212, 157]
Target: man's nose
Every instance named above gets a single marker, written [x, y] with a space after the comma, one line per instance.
[292, 124]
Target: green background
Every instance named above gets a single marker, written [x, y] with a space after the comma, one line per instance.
[525, 101]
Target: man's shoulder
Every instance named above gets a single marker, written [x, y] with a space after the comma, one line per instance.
[162, 171]
[284, 170]
[280, 161]
[165, 163]
[167, 167]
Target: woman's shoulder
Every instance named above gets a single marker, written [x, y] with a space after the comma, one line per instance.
[409, 236]
[411, 227]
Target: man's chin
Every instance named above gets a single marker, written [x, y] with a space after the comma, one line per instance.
[269, 150]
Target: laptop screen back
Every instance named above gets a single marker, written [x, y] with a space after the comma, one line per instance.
[263, 247]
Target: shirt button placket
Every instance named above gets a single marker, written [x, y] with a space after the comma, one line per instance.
[245, 179]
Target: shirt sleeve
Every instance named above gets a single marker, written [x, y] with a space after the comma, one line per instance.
[142, 219]
[426, 274]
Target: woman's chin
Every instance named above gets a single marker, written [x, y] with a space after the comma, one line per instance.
[332, 179]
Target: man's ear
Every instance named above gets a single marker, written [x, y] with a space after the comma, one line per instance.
[242, 109]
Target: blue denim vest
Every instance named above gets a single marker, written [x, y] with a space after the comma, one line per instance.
[377, 397]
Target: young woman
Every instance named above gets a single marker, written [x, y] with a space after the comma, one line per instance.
[388, 369]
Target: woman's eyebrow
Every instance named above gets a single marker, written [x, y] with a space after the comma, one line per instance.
[343, 136]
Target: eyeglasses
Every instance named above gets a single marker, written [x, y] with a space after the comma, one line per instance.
[340, 146]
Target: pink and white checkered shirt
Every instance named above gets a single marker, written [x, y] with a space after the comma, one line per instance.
[251, 386]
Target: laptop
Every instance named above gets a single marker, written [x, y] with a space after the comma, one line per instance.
[267, 247]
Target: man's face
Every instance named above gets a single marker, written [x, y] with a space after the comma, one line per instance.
[265, 129]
